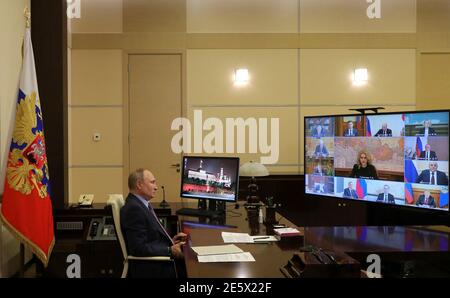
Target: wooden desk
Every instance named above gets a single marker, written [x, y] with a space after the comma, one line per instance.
[268, 257]
[394, 243]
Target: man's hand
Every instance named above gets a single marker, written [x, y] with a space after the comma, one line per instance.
[177, 253]
[180, 237]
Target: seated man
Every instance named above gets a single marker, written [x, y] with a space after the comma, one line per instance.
[427, 130]
[349, 192]
[384, 131]
[426, 200]
[386, 197]
[427, 154]
[318, 170]
[319, 131]
[143, 233]
[350, 131]
[432, 176]
[321, 150]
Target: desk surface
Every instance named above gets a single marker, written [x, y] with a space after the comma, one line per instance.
[270, 257]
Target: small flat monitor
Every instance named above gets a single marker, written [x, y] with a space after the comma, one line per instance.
[397, 159]
[212, 178]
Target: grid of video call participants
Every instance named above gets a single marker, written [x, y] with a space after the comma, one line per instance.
[399, 159]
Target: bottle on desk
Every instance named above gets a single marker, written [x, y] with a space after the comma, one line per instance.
[260, 216]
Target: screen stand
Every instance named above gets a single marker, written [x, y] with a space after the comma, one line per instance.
[201, 204]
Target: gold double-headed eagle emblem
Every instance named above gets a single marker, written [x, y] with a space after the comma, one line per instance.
[27, 163]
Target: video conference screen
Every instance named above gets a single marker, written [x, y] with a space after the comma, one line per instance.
[214, 178]
[399, 159]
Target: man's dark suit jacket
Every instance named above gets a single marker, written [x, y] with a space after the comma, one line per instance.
[391, 199]
[380, 133]
[353, 134]
[421, 201]
[433, 156]
[324, 150]
[350, 194]
[431, 131]
[144, 237]
[424, 177]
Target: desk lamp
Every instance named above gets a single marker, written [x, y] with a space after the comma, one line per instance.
[253, 169]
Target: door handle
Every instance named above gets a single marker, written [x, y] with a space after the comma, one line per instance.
[177, 166]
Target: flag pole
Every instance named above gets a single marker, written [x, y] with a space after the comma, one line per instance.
[27, 15]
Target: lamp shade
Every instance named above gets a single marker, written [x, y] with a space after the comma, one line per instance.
[253, 169]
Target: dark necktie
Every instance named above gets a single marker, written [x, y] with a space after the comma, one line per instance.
[433, 181]
[384, 132]
[150, 208]
[385, 198]
[426, 201]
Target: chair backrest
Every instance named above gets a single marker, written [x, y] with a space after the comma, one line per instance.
[116, 202]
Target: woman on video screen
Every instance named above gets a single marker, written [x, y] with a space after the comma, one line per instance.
[364, 168]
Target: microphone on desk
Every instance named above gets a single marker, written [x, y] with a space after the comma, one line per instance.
[164, 204]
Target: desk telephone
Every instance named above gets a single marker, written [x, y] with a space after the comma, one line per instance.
[102, 229]
[85, 200]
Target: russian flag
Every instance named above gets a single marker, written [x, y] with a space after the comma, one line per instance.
[443, 200]
[368, 130]
[358, 122]
[410, 171]
[361, 188]
[409, 196]
[418, 146]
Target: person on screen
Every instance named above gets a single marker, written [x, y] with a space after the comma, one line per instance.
[350, 131]
[427, 130]
[427, 154]
[318, 170]
[319, 131]
[363, 167]
[321, 150]
[426, 200]
[143, 233]
[432, 176]
[385, 196]
[349, 192]
[384, 131]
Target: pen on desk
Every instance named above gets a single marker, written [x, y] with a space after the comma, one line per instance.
[257, 238]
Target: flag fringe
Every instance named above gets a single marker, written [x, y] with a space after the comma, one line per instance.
[28, 243]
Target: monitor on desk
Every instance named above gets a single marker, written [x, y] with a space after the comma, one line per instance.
[397, 159]
[210, 178]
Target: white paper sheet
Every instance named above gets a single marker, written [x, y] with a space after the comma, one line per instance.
[227, 258]
[246, 238]
[217, 249]
[236, 237]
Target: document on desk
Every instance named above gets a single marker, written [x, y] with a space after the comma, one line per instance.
[217, 250]
[246, 238]
[227, 258]
[236, 237]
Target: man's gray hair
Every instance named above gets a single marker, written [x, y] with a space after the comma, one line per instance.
[134, 177]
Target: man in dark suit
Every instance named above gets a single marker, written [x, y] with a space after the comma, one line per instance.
[426, 200]
[432, 176]
[427, 130]
[384, 131]
[319, 131]
[350, 131]
[349, 192]
[144, 235]
[386, 197]
[428, 154]
[321, 150]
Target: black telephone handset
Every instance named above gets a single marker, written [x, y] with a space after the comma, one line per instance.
[94, 229]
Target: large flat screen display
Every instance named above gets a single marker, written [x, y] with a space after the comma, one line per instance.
[396, 158]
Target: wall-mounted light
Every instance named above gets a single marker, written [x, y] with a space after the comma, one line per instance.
[360, 76]
[241, 76]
